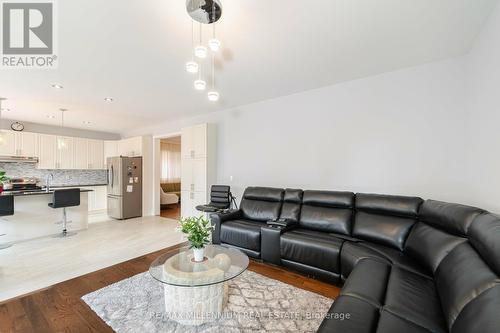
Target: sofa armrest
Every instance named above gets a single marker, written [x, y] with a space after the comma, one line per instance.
[218, 218]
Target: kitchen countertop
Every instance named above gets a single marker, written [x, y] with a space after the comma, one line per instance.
[80, 185]
[33, 192]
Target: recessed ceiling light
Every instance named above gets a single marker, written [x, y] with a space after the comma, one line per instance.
[108, 99]
[51, 116]
[57, 86]
[86, 122]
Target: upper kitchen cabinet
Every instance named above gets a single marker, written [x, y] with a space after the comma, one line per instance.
[47, 153]
[65, 154]
[110, 149]
[130, 147]
[8, 146]
[27, 144]
[194, 141]
[19, 144]
[96, 154]
[80, 153]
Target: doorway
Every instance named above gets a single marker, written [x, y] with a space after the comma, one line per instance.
[170, 176]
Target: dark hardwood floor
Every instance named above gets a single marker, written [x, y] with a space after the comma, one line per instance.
[171, 211]
[59, 308]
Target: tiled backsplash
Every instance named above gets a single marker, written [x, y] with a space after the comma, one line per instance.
[61, 177]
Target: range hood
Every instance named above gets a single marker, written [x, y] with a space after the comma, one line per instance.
[18, 159]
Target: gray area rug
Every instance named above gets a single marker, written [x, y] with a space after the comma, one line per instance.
[256, 304]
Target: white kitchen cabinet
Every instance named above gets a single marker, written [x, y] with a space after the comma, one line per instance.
[97, 199]
[80, 154]
[8, 147]
[19, 144]
[194, 141]
[95, 154]
[110, 149]
[198, 167]
[27, 144]
[130, 147]
[65, 150]
[47, 151]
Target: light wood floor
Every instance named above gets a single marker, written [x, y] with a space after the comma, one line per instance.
[40, 263]
[60, 309]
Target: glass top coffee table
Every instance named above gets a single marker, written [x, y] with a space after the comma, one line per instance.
[196, 292]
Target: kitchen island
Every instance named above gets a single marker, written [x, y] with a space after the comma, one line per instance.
[33, 218]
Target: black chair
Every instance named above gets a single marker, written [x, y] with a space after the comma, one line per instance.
[220, 199]
[62, 199]
[6, 209]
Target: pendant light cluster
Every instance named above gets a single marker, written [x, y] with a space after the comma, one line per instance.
[200, 52]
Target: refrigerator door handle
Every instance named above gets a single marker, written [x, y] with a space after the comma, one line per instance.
[112, 176]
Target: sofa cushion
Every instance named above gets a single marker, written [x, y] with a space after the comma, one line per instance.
[352, 253]
[390, 323]
[363, 316]
[429, 245]
[261, 203]
[371, 290]
[394, 205]
[242, 233]
[291, 204]
[327, 211]
[484, 235]
[414, 298]
[311, 248]
[460, 278]
[481, 314]
[385, 219]
[449, 217]
[387, 230]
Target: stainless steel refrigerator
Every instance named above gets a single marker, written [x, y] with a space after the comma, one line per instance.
[124, 187]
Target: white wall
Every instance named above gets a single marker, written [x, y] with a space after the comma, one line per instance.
[483, 77]
[394, 133]
[431, 131]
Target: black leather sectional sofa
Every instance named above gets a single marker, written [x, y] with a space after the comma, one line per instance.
[407, 265]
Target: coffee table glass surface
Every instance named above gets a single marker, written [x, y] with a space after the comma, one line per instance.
[178, 268]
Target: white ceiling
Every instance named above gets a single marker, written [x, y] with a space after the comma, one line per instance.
[135, 51]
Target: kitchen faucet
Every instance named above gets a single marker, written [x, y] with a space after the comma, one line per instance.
[48, 178]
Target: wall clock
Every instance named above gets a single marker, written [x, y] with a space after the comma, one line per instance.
[17, 126]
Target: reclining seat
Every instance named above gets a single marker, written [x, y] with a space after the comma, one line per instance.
[312, 248]
[241, 228]
[381, 226]
[460, 246]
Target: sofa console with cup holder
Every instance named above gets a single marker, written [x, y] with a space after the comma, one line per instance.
[406, 264]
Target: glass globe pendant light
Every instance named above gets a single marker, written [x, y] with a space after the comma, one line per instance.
[214, 43]
[213, 95]
[200, 51]
[192, 66]
[200, 84]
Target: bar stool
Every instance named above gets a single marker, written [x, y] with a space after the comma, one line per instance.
[62, 199]
[6, 209]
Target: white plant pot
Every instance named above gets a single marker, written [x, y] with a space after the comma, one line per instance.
[199, 254]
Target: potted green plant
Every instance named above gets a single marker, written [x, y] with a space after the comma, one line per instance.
[198, 231]
[3, 178]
